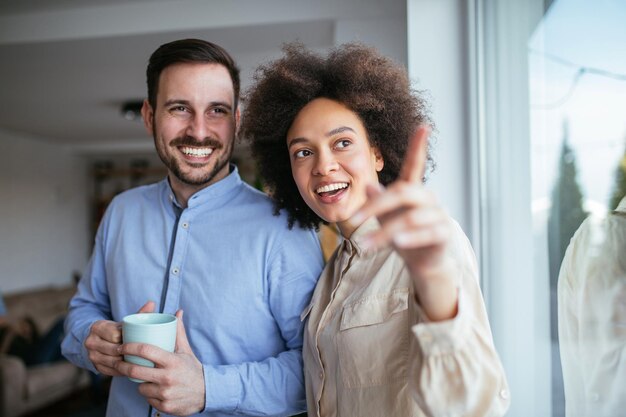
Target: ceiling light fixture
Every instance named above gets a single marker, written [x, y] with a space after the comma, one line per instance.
[131, 109]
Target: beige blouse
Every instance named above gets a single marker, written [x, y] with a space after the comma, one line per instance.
[370, 351]
[592, 317]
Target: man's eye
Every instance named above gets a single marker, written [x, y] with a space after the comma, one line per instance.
[302, 153]
[178, 109]
[218, 111]
[344, 143]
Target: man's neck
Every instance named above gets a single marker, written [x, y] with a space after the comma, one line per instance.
[182, 191]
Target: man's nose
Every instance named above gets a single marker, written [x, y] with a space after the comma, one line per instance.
[198, 127]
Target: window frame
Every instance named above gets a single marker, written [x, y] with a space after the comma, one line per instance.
[499, 134]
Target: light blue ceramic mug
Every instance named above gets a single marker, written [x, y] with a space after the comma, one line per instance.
[156, 329]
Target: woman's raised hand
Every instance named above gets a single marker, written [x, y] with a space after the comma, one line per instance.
[413, 221]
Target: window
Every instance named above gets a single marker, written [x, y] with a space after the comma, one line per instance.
[548, 100]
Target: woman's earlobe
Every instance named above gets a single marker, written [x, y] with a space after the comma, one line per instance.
[380, 162]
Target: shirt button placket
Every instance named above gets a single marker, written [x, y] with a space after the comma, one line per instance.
[184, 225]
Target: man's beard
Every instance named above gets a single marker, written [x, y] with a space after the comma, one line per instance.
[175, 166]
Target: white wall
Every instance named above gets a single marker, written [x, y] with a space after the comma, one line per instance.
[437, 64]
[388, 35]
[43, 215]
[44, 224]
[100, 19]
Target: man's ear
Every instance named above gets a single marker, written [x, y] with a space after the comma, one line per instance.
[379, 162]
[147, 113]
[237, 120]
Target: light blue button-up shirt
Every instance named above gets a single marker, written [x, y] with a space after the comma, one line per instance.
[241, 276]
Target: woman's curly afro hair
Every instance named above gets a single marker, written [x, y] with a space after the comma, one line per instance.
[371, 85]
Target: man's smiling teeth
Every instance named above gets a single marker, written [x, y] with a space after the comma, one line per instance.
[332, 187]
[197, 151]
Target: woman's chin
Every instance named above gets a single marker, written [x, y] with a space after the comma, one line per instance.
[333, 217]
[337, 215]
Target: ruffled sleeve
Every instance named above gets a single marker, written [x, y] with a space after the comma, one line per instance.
[456, 370]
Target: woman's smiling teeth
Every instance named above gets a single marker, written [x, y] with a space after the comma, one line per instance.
[200, 152]
[331, 187]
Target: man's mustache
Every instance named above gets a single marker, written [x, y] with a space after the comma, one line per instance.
[189, 141]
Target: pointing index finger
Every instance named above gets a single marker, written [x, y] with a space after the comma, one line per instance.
[415, 159]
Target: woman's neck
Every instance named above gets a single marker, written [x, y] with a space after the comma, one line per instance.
[347, 227]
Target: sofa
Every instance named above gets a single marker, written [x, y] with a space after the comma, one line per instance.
[26, 389]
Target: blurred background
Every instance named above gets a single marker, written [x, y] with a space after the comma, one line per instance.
[527, 96]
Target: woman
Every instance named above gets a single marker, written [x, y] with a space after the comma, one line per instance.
[396, 325]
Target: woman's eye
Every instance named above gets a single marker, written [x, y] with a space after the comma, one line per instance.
[344, 143]
[302, 153]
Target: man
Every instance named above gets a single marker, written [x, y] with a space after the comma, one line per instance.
[204, 242]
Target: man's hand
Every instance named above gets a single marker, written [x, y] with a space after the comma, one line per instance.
[176, 384]
[104, 340]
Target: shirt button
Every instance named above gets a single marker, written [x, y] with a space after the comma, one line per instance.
[321, 375]
[185, 225]
[157, 414]
[175, 271]
[594, 397]
[504, 394]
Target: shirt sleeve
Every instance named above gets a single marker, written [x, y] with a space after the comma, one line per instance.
[568, 335]
[274, 386]
[456, 370]
[90, 304]
[592, 319]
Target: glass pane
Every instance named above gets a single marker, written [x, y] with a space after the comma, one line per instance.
[577, 79]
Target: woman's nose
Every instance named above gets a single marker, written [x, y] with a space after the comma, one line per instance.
[325, 164]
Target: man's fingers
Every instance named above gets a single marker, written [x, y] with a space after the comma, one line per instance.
[108, 371]
[415, 159]
[152, 353]
[151, 390]
[182, 344]
[143, 373]
[147, 307]
[95, 344]
[106, 359]
[158, 404]
[107, 330]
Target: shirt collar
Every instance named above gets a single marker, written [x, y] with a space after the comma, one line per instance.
[359, 236]
[622, 205]
[223, 187]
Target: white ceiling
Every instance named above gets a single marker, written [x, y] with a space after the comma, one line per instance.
[67, 65]
[28, 6]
